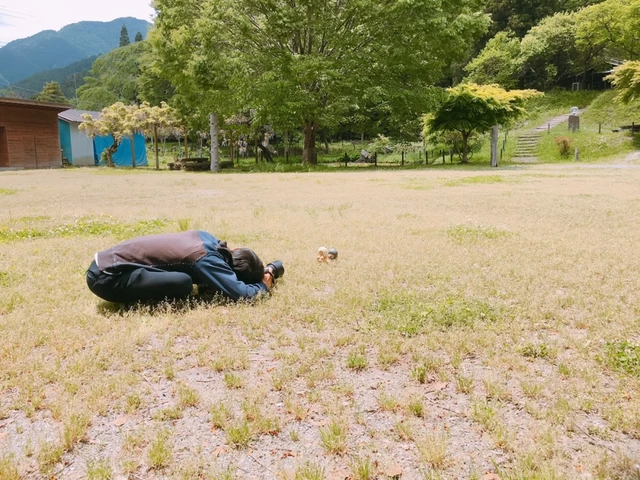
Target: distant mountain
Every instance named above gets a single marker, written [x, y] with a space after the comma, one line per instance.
[49, 49]
[69, 78]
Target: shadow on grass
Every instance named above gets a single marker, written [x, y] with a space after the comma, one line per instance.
[162, 307]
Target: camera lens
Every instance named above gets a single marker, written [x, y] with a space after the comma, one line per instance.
[276, 268]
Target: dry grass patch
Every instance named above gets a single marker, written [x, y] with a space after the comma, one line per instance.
[487, 318]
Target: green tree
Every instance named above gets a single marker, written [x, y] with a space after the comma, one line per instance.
[124, 37]
[626, 78]
[51, 93]
[520, 17]
[113, 78]
[496, 63]
[138, 37]
[612, 26]
[309, 64]
[471, 109]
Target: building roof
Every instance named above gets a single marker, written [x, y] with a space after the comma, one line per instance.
[73, 115]
[19, 102]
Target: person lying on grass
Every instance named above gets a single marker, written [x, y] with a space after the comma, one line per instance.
[166, 266]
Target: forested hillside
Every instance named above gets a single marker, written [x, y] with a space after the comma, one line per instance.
[70, 78]
[49, 49]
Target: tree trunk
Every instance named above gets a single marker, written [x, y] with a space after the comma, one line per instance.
[325, 140]
[286, 145]
[215, 151]
[186, 144]
[494, 146]
[232, 147]
[155, 144]
[110, 151]
[309, 152]
[133, 151]
[465, 147]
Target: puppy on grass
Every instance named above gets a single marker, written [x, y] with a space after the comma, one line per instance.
[325, 254]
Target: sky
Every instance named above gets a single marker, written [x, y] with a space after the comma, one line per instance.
[23, 18]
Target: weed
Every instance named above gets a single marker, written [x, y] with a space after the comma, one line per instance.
[334, 437]
[83, 227]
[531, 389]
[169, 373]
[496, 391]
[267, 425]
[167, 414]
[8, 468]
[465, 234]
[295, 408]
[357, 360]
[8, 191]
[362, 468]
[485, 414]
[309, 471]
[160, 451]
[233, 359]
[239, 433]
[433, 450]
[183, 224]
[132, 403]
[404, 429]
[232, 380]
[74, 430]
[464, 384]
[220, 415]
[388, 402]
[48, 456]
[540, 350]
[187, 397]
[420, 372]
[480, 179]
[99, 470]
[280, 378]
[294, 436]
[624, 357]
[416, 407]
[387, 357]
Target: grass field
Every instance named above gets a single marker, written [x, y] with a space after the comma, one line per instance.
[476, 322]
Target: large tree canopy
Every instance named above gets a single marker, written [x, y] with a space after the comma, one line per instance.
[308, 64]
[612, 26]
[496, 63]
[471, 108]
[113, 78]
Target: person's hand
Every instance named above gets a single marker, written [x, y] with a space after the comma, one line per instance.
[268, 280]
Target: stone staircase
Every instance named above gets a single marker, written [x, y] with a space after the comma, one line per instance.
[527, 142]
[527, 147]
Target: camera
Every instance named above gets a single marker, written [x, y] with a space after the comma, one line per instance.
[276, 268]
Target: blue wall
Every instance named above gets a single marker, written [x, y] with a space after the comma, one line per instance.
[122, 157]
[65, 139]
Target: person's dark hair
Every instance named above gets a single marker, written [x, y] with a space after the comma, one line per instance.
[247, 265]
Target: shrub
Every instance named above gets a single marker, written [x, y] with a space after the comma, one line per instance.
[564, 145]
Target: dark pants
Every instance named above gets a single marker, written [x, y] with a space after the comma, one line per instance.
[138, 284]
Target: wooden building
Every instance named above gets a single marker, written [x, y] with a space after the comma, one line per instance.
[29, 134]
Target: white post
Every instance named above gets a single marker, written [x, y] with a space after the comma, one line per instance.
[494, 146]
[215, 151]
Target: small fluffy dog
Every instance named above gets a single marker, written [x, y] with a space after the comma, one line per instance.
[325, 254]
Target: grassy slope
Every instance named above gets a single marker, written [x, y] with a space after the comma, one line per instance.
[601, 108]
